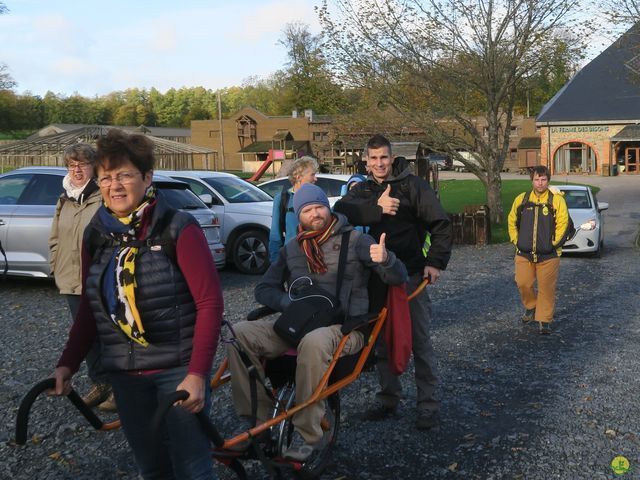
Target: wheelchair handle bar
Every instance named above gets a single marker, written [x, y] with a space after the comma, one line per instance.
[165, 405]
[22, 419]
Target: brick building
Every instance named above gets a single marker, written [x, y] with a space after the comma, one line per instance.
[591, 125]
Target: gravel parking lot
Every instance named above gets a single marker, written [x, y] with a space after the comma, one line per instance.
[515, 405]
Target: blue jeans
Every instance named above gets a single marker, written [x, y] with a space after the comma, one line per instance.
[184, 453]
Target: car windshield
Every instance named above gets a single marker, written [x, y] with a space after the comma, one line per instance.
[577, 199]
[181, 198]
[236, 190]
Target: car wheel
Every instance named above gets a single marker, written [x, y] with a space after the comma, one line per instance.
[598, 252]
[251, 253]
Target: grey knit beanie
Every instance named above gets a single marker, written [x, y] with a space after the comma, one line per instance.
[308, 194]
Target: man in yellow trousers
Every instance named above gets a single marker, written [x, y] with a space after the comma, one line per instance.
[538, 222]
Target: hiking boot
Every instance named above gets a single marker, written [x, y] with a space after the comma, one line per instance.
[528, 315]
[298, 449]
[426, 420]
[109, 405]
[544, 328]
[380, 412]
[97, 394]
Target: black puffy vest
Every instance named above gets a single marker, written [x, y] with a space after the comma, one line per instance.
[162, 296]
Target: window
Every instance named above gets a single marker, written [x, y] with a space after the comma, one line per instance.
[43, 190]
[320, 136]
[12, 187]
[513, 132]
[577, 199]
[575, 157]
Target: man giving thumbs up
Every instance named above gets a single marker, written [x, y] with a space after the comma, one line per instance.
[400, 208]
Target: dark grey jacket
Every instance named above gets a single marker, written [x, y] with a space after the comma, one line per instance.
[292, 264]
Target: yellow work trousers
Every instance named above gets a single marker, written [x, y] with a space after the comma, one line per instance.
[546, 274]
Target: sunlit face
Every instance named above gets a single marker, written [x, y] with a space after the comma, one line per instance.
[307, 176]
[314, 216]
[540, 183]
[80, 172]
[123, 188]
[379, 163]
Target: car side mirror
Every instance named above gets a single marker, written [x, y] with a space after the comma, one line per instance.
[207, 198]
[603, 206]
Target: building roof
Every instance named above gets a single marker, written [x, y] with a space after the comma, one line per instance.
[55, 128]
[55, 144]
[529, 142]
[264, 147]
[630, 133]
[607, 88]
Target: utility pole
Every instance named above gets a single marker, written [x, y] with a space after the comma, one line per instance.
[224, 166]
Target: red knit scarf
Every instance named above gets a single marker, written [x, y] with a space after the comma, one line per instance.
[310, 242]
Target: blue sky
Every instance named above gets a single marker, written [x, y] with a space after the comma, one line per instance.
[96, 47]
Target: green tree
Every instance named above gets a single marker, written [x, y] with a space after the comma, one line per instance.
[444, 65]
[307, 81]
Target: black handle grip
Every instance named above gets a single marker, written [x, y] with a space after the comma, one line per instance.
[163, 408]
[22, 420]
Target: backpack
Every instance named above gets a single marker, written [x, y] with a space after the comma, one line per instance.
[569, 233]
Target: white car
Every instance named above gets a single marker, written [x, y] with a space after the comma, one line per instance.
[244, 212]
[586, 212]
[331, 184]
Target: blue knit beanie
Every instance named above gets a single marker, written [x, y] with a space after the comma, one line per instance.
[308, 194]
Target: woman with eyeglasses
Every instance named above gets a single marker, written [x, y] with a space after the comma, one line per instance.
[76, 206]
[152, 298]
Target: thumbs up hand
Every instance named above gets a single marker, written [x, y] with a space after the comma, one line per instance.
[378, 251]
[388, 204]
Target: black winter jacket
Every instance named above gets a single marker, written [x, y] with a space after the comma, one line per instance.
[420, 212]
[162, 296]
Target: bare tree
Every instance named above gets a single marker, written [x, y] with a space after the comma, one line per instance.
[452, 68]
[6, 82]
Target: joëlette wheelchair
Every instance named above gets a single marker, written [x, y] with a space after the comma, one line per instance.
[267, 440]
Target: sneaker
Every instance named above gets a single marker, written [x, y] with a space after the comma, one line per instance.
[98, 393]
[109, 405]
[426, 420]
[545, 328]
[528, 315]
[380, 412]
[298, 449]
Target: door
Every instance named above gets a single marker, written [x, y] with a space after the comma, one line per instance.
[632, 160]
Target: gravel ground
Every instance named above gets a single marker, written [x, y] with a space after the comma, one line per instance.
[515, 405]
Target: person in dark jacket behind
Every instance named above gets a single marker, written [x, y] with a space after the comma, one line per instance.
[404, 207]
[151, 296]
[313, 255]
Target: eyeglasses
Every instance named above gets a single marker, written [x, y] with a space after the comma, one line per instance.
[123, 178]
[80, 165]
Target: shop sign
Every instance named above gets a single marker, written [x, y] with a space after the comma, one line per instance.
[582, 129]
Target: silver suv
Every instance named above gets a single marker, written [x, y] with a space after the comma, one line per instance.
[244, 212]
[28, 199]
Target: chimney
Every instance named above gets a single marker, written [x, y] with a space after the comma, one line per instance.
[309, 114]
[294, 114]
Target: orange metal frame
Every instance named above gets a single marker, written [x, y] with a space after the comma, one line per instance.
[323, 390]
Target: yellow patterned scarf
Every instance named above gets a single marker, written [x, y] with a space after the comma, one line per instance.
[127, 316]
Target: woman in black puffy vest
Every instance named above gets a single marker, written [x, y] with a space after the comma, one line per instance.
[152, 299]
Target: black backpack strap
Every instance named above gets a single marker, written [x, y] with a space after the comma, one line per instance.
[284, 208]
[342, 262]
